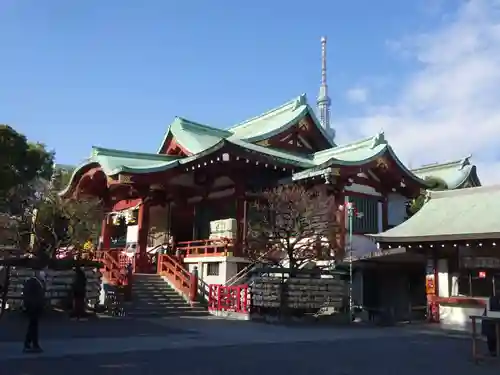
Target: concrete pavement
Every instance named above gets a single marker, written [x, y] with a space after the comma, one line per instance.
[213, 346]
[122, 336]
[406, 355]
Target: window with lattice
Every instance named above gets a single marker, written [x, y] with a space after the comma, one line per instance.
[213, 268]
[368, 208]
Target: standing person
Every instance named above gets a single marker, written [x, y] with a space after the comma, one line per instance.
[33, 300]
[79, 293]
[488, 327]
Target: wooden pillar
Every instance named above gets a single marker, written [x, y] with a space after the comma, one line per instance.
[105, 239]
[341, 201]
[432, 288]
[241, 225]
[195, 222]
[142, 238]
[385, 214]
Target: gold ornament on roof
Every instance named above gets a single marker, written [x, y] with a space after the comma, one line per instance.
[264, 143]
[124, 178]
[304, 124]
[382, 163]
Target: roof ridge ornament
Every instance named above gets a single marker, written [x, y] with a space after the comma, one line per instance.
[428, 196]
[301, 100]
[465, 162]
[379, 139]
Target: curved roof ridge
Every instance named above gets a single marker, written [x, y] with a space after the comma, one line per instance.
[185, 123]
[463, 192]
[129, 154]
[404, 168]
[294, 104]
[460, 163]
[371, 142]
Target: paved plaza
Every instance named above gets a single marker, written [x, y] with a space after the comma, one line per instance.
[212, 346]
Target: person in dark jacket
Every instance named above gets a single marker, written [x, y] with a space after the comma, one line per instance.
[488, 328]
[33, 300]
[79, 293]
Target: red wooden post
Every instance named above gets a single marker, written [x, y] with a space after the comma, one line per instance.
[142, 238]
[219, 297]
[128, 284]
[193, 287]
[105, 239]
[159, 264]
[211, 297]
[245, 299]
[238, 298]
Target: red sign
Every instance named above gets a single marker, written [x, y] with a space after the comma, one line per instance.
[482, 274]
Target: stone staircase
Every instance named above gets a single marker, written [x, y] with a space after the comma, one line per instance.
[154, 297]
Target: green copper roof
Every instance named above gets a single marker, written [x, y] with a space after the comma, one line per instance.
[196, 137]
[357, 153]
[276, 121]
[280, 155]
[456, 174]
[193, 136]
[360, 150]
[113, 162]
[462, 214]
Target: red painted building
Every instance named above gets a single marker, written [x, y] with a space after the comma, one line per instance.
[197, 188]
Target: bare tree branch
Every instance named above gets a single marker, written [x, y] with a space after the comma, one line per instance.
[294, 224]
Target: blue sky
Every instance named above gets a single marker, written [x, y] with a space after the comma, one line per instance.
[114, 73]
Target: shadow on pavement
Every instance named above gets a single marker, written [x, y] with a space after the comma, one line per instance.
[59, 326]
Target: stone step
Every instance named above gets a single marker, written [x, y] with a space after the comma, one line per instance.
[148, 314]
[155, 291]
[154, 297]
[149, 285]
[158, 303]
[141, 300]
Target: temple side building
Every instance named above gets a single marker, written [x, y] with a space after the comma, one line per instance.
[457, 235]
[456, 174]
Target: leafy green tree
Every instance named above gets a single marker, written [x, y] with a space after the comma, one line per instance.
[66, 223]
[23, 165]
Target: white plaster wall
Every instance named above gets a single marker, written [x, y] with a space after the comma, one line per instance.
[228, 268]
[396, 209]
[443, 278]
[132, 233]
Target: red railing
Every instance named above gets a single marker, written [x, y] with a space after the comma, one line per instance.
[185, 282]
[114, 263]
[203, 248]
[228, 298]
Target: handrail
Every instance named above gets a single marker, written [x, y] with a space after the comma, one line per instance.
[156, 247]
[247, 269]
[171, 268]
[111, 261]
[210, 247]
